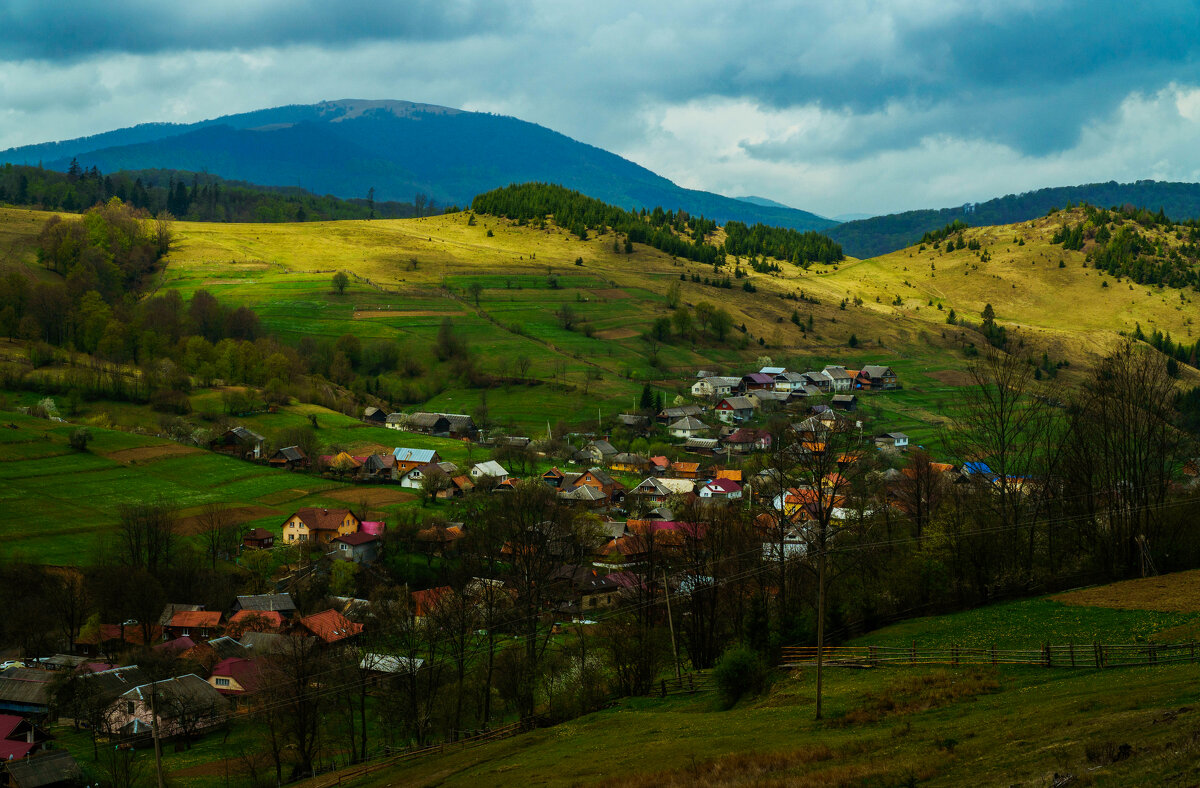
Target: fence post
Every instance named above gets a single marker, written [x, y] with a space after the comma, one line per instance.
[1049, 657]
[871, 656]
[954, 654]
[1071, 649]
[993, 655]
[1193, 651]
[912, 655]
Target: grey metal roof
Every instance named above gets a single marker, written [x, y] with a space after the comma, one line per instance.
[688, 423]
[282, 603]
[50, 768]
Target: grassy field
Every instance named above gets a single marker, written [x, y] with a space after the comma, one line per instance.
[57, 505]
[889, 726]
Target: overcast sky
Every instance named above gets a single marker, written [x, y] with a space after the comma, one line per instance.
[834, 107]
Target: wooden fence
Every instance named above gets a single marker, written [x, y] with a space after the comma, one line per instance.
[1069, 655]
[395, 757]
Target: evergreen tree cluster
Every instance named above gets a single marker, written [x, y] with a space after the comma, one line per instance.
[191, 196]
[664, 230]
[1123, 250]
[935, 237]
[801, 249]
[1178, 351]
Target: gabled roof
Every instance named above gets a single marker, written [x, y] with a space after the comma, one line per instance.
[651, 486]
[688, 423]
[246, 436]
[679, 411]
[272, 617]
[265, 643]
[772, 370]
[51, 768]
[837, 373]
[371, 410]
[678, 486]
[726, 486]
[245, 672]
[426, 600]
[759, 377]
[584, 493]
[876, 370]
[292, 454]
[659, 461]
[791, 377]
[737, 403]
[397, 418]
[599, 475]
[171, 608]
[196, 618]
[422, 456]
[459, 422]
[603, 446]
[723, 380]
[357, 538]
[321, 519]
[490, 468]
[701, 443]
[685, 467]
[331, 626]
[747, 435]
[844, 398]
[631, 419]
[734, 474]
[190, 689]
[255, 534]
[259, 602]
[422, 419]
[625, 458]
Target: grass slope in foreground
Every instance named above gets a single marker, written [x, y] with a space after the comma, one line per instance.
[889, 726]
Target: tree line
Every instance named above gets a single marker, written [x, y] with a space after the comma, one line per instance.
[192, 196]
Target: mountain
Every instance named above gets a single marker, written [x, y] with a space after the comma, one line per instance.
[882, 234]
[398, 148]
[763, 202]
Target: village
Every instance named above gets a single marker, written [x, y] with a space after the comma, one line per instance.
[641, 511]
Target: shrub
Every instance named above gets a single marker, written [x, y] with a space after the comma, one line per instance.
[80, 438]
[739, 672]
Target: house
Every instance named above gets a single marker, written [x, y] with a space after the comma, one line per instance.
[668, 415]
[236, 676]
[407, 459]
[239, 442]
[660, 490]
[820, 381]
[773, 370]
[428, 423]
[490, 469]
[685, 470]
[330, 626]
[687, 427]
[460, 425]
[414, 478]
[746, 439]
[48, 770]
[717, 386]
[311, 524]
[265, 603]
[377, 468]
[659, 464]
[597, 478]
[439, 538]
[291, 458]
[183, 706]
[425, 602]
[196, 624]
[266, 644]
[258, 539]
[373, 415]
[342, 463]
[628, 463]
[582, 589]
[722, 489]
[583, 495]
[789, 381]
[396, 421]
[599, 451]
[844, 402]
[733, 410]
[757, 380]
[361, 548]
[842, 380]
[460, 486]
[554, 477]
[892, 440]
[877, 377]
[771, 400]
[245, 621]
[25, 692]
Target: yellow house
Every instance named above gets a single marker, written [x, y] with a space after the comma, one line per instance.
[311, 524]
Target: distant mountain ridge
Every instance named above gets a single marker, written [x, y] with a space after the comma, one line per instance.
[882, 234]
[399, 149]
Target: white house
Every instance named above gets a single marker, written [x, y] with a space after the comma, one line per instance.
[687, 427]
[896, 440]
[842, 380]
[721, 488]
[716, 386]
[489, 468]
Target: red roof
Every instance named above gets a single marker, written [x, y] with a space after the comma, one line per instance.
[331, 626]
[357, 538]
[425, 601]
[244, 671]
[200, 619]
[8, 724]
[259, 533]
[273, 618]
[15, 750]
[133, 634]
[178, 644]
[726, 486]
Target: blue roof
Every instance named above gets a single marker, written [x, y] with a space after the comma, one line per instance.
[413, 455]
[976, 467]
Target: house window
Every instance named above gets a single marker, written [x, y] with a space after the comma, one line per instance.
[129, 707]
[303, 537]
[222, 682]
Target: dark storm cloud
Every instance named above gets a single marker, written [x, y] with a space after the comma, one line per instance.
[40, 30]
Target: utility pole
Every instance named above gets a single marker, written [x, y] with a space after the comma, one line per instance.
[154, 733]
[820, 617]
[671, 624]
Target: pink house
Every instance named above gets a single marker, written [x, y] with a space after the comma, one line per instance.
[185, 705]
